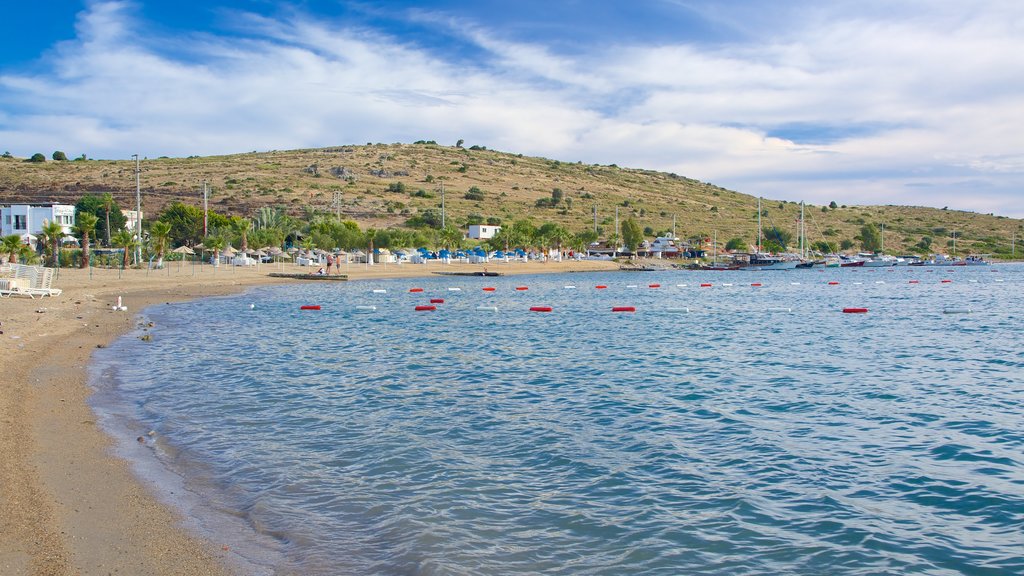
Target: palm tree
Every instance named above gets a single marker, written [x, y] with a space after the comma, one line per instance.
[86, 225]
[11, 245]
[371, 234]
[241, 226]
[215, 243]
[53, 232]
[108, 205]
[452, 237]
[125, 240]
[160, 233]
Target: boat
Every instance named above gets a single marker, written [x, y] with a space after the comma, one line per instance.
[756, 261]
[940, 260]
[976, 261]
[877, 260]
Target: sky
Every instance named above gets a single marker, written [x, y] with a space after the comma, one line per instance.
[860, 102]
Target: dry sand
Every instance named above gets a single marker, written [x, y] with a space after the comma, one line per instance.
[67, 504]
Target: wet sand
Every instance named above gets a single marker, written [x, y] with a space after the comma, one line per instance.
[67, 504]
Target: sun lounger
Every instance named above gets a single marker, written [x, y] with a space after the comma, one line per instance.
[12, 287]
[35, 280]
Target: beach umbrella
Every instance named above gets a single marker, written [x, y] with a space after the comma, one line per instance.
[229, 251]
[185, 250]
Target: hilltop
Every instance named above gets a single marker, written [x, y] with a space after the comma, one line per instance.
[386, 185]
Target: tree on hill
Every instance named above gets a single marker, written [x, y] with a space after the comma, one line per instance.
[779, 238]
[37, 157]
[736, 244]
[556, 196]
[870, 238]
[60, 156]
[474, 193]
[632, 234]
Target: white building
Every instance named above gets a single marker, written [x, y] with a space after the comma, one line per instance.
[27, 220]
[483, 231]
[131, 219]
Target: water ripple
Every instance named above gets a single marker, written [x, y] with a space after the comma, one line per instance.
[724, 441]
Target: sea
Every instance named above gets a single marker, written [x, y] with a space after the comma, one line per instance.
[733, 423]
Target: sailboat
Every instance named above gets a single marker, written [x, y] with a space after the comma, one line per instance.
[760, 260]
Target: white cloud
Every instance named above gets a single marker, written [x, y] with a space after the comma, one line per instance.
[925, 107]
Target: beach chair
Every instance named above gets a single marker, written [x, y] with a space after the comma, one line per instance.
[38, 280]
[12, 287]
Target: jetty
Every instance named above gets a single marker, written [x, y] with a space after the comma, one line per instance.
[481, 273]
[334, 278]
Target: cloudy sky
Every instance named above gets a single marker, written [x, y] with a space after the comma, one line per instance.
[860, 101]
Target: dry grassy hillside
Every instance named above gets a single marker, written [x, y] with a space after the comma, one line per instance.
[385, 185]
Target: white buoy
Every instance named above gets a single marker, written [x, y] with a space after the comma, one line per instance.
[570, 287]
[879, 281]
[956, 311]
[631, 286]
[487, 308]
[780, 309]
[795, 283]
[380, 291]
[678, 310]
[366, 308]
[455, 289]
[681, 285]
[727, 284]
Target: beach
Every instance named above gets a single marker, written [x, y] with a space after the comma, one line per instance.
[67, 504]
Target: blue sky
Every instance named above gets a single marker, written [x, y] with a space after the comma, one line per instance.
[862, 102]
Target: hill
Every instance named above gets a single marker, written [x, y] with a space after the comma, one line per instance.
[382, 186]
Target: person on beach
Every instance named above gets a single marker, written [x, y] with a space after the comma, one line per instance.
[330, 262]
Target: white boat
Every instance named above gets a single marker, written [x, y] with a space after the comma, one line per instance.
[878, 260]
[976, 261]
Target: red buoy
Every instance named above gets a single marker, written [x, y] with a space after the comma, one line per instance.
[623, 309]
[415, 289]
[915, 281]
[706, 285]
[489, 288]
[833, 283]
[309, 307]
[437, 300]
[946, 281]
[540, 308]
[600, 287]
[425, 308]
[855, 310]
[756, 284]
[654, 285]
[521, 288]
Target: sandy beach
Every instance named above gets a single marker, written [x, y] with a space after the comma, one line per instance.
[67, 504]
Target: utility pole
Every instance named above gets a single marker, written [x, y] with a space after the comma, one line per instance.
[205, 212]
[615, 248]
[673, 226]
[595, 219]
[337, 205]
[442, 204]
[138, 211]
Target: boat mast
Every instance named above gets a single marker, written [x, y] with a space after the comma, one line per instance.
[803, 233]
[758, 224]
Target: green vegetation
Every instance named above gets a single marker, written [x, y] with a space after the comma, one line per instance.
[389, 188]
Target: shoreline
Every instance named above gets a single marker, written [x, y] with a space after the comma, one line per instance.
[68, 503]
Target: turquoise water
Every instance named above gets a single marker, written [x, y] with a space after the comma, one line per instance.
[762, 432]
